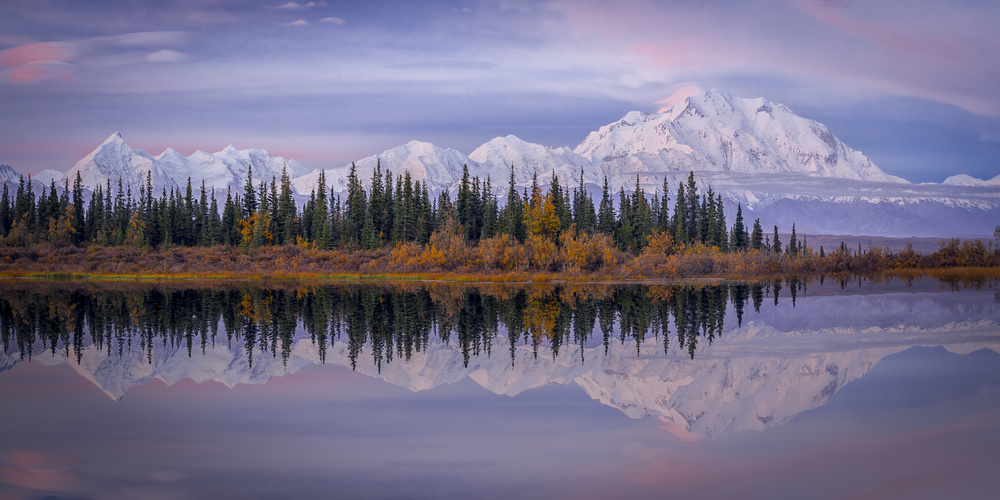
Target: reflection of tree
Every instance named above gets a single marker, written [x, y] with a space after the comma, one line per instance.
[385, 322]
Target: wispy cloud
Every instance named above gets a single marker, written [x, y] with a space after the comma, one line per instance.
[61, 61]
[333, 20]
[165, 56]
[299, 22]
[443, 65]
[298, 6]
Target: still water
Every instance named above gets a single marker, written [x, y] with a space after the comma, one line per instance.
[782, 389]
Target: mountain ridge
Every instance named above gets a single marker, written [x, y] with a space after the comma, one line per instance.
[754, 152]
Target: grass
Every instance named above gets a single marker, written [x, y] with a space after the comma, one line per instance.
[292, 263]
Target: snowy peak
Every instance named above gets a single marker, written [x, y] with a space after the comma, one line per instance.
[436, 167]
[114, 159]
[716, 131]
[499, 154]
[8, 174]
[968, 180]
[114, 138]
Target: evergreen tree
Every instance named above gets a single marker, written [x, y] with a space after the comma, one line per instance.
[584, 215]
[680, 219]
[5, 219]
[737, 238]
[354, 212]
[249, 195]
[230, 221]
[721, 238]
[775, 242]
[512, 215]
[606, 213]
[320, 217]
[212, 222]
[286, 213]
[490, 211]
[561, 204]
[663, 222]
[691, 224]
[757, 236]
[793, 244]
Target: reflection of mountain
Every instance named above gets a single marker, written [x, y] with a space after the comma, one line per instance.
[782, 361]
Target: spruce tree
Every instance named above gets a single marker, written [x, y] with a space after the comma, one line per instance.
[757, 236]
[680, 219]
[249, 195]
[738, 236]
[606, 213]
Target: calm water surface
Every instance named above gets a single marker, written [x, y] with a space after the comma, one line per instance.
[785, 389]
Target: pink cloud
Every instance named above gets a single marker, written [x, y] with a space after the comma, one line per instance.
[678, 97]
[36, 52]
[888, 34]
[674, 54]
[42, 71]
[924, 49]
[61, 61]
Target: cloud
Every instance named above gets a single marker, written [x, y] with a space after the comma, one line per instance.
[41, 71]
[148, 38]
[990, 137]
[300, 22]
[165, 56]
[298, 6]
[444, 65]
[943, 53]
[62, 60]
[333, 20]
[687, 90]
[37, 52]
[836, 4]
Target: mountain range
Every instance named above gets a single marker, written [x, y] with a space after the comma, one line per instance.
[782, 168]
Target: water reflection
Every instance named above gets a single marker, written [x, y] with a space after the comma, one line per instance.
[693, 355]
[389, 322]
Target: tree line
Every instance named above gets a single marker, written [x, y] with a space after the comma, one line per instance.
[394, 210]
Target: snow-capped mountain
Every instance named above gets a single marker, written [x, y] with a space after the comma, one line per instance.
[115, 159]
[968, 180]
[782, 168]
[9, 174]
[499, 154]
[441, 168]
[716, 131]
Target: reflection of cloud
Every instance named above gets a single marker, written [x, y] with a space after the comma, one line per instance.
[36, 470]
[683, 435]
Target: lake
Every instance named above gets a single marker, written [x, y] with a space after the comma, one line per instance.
[843, 388]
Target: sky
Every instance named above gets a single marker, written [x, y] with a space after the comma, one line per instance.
[912, 84]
